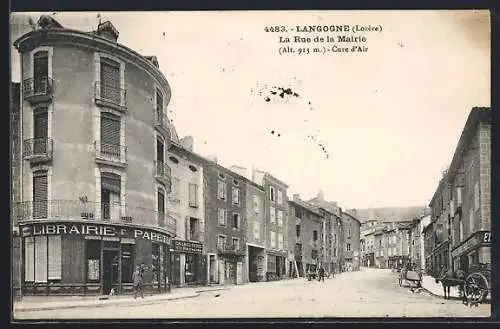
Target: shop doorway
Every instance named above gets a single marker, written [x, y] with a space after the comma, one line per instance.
[111, 269]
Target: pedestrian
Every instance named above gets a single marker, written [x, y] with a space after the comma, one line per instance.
[321, 274]
[137, 278]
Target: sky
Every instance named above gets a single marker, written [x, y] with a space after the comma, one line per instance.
[371, 129]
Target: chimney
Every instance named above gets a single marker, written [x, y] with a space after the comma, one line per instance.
[321, 196]
[242, 171]
[212, 158]
[296, 197]
[353, 212]
[108, 31]
[187, 143]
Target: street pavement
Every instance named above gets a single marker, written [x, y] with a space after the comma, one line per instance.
[366, 293]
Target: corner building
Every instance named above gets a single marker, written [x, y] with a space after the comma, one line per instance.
[94, 177]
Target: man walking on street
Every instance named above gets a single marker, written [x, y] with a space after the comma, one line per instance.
[137, 278]
[321, 274]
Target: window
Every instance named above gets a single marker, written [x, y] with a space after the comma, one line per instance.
[160, 158]
[334, 252]
[236, 196]
[93, 254]
[193, 168]
[236, 221]
[335, 237]
[110, 196]
[222, 216]
[476, 196]
[42, 258]
[349, 231]
[273, 239]
[280, 218]
[110, 80]
[193, 195]
[280, 241]
[221, 189]
[110, 135]
[221, 241]
[280, 197]
[460, 229]
[40, 131]
[40, 194]
[128, 252]
[236, 243]
[271, 194]
[298, 212]
[315, 235]
[40, 71]
[256, 230]
[161, 207]
[272, 214]
[256, 204]
[471, 221]
[173, 159]
[297, 230]
[459, 196]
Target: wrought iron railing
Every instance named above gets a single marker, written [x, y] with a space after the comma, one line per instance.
[164, 173]
[229, 247]
[95, 211]
[37, 147]
[105, 94]
[110, 152]
[40, 86]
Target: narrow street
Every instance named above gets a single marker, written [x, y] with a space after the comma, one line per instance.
[367, 293]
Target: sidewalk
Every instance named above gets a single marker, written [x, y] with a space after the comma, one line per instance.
[429, 284]
[43, 303]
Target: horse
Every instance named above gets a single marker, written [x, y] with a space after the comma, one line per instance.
[450, 279]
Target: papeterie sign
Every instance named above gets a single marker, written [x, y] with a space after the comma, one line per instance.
[96, 230]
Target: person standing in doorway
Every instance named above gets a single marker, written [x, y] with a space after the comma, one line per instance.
[137, 278]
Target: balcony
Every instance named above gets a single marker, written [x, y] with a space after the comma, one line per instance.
[38, 90]
[163, 173]
[37, 150]
[161, 124]
[229, 249]
[92, 211]
[109, 96]
[114, 155]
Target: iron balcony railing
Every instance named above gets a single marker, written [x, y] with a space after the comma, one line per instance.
[37, 149]
[161, 123]
[226, 247]
[95, 211]
[109, 95]
[164, 174]
[110, 152]
[39, 87]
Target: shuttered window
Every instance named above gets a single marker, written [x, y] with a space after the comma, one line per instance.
[256, 204]
[193, 195]
[110, 80]
[40, 130]
[110, 134]
[40, 194]
[40, 258]
[159, 151]
[161, 208]
[40, 71]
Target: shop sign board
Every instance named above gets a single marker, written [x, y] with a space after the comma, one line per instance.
[103, 231]
[187, 246]
[482, 237]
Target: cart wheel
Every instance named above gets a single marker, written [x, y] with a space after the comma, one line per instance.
[476, 288]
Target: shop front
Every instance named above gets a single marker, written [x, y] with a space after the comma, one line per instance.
[473, 251]
[256, 270]
[188, 263]
[78, 258]
[231, 266]
[276, 265]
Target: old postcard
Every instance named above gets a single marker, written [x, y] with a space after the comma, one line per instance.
[270, 164]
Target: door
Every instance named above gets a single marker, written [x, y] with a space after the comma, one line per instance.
[40, 131]
[176, 268]
[111, 265]
[239, 273]
[222, 272]
[40, 72]
[213, 269]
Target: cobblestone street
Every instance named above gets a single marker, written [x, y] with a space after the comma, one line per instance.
[367, 293]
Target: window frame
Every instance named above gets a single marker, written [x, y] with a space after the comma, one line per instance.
[219, 212]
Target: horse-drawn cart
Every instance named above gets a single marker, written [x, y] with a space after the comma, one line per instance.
[412, 275]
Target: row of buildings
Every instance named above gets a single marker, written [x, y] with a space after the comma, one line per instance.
[459, 233]
[454, 232]
[101, 183]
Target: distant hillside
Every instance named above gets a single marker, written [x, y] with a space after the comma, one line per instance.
[390, 214]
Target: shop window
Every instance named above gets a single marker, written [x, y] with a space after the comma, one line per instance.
[128, 252]
[29, 259]
[156, 267]
[93, 260]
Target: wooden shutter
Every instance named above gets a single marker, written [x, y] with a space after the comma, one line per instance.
[161, 208]
[40, 192]
[40, 130]
[110, 80]
[110, 131]
[29, 259]
[55, 264]
[41, 258]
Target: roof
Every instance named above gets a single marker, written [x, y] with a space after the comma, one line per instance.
[273, 178]
[306, 206]
[390, 214]
[351, 216]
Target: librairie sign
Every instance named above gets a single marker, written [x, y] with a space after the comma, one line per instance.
[99, 230]
[482, 237]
